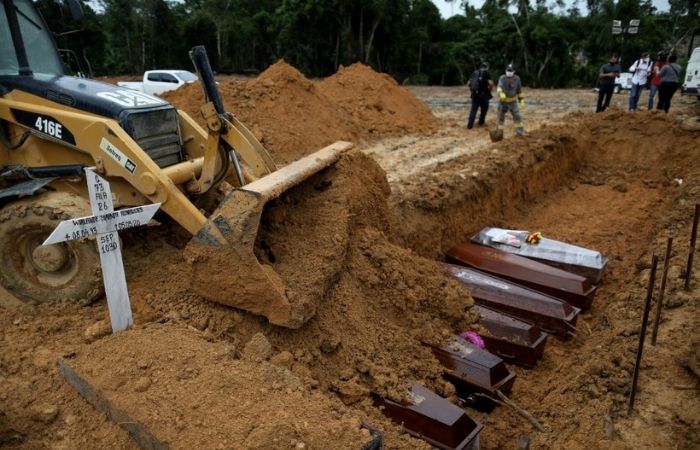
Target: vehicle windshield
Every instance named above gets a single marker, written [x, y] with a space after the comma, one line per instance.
[8, 58]
[41, 52]
[185, 75]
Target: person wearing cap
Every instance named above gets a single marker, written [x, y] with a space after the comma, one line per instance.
[606, 83]
[641, 69]
[510, 96]
[661, 61]
[481, 96]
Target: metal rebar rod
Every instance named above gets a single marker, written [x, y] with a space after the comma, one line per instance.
[643, 330]
[660, 301]
[691, 250]
[529, 417]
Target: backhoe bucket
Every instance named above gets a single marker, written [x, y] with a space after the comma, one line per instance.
[225, 268]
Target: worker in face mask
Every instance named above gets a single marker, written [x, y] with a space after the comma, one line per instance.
[641, 70]
[511, 99]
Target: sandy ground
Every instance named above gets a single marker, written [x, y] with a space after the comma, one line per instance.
[405, 156]
[581, 387]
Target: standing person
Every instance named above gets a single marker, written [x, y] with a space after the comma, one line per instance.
[641, 69]
[656, 78]
[606, 83]
[670, 76]
[511, 99]
[480, 84]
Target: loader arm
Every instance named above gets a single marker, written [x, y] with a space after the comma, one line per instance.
[149, 152]
[250, 159]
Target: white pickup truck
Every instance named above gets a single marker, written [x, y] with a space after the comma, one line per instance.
[158, 81]
[691, 85]
[623, 81]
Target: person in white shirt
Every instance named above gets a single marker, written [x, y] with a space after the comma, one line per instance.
[641, 70]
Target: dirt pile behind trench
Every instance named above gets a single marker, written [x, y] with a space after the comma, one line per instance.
[293, 116]
[377, 102]
[284, 110]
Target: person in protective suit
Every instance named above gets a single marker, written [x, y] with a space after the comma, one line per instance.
[511, 99]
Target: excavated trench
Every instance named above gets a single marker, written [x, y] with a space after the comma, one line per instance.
[617, 184]
[472, 192]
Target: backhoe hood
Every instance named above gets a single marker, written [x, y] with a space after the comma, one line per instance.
[92, 96]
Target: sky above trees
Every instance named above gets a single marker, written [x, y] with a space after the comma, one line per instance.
[451, 8]
[408, 39]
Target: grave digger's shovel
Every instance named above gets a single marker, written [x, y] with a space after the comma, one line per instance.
[225, 268]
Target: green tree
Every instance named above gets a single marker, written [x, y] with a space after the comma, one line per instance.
[550, 45]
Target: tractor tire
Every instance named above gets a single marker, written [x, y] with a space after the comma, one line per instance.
[68, 271]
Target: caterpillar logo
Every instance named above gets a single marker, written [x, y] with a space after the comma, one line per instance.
[130, 99]
[117, 155]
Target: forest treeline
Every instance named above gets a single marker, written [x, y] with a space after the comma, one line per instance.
[550, 45]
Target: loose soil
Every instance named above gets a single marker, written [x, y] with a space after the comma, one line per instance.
[293, 116]
[608, 181]
[153, 386]
[377, 102]
[373, 303]
[281, 107]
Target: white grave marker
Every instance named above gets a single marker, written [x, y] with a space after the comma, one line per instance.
[104, 224]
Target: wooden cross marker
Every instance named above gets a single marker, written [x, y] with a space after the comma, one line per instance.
[105, 224]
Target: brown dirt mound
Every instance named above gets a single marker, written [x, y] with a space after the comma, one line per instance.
[293, 116]
[283, 109]
[374, 312]
[185, 391]
[189, 98]
[37, 408]
[377, 102]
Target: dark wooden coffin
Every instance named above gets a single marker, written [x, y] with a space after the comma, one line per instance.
[433, 419]
[558, 283]
[551, 314]
[515, 340]
[572, 258]
[476, 374]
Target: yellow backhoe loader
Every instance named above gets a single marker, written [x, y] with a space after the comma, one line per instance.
[52, 126]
